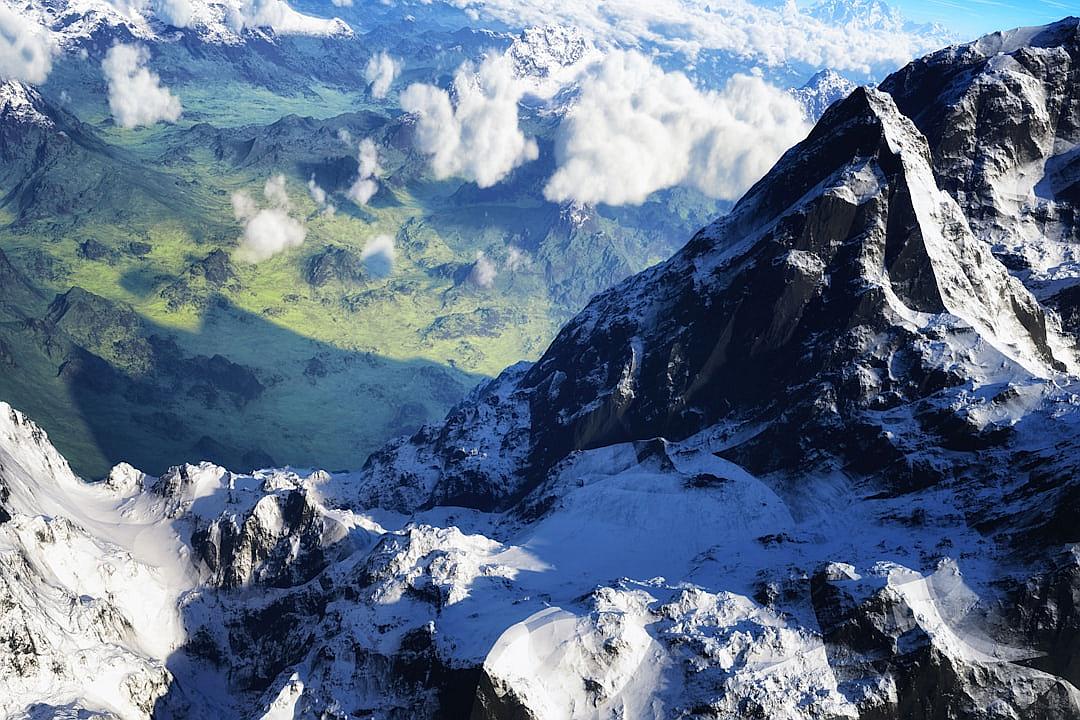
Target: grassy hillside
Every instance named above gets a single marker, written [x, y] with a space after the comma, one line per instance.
[343, 359]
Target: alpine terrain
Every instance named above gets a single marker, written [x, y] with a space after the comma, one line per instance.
[822, 463]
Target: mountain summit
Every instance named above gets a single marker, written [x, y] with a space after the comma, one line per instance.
[819, 464]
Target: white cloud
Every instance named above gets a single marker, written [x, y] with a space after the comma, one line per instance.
[243, 206]
[267, 231]
[636, 129]
[341, 3]
[281, 18]
[320, 197]
[136, 95]
[378, 256]
[26, 49]
[380, 73]
[516, 259]
[483, 272]
[367, 157]
[774, 36]
[362, 190]
[316, 192]
[178, 13]
[476, 138]
[365, 185]
[275, 193]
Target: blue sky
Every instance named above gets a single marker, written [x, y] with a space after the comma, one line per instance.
[975, 17]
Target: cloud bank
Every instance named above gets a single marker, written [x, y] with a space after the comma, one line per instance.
[136, 95]
[365, 185]
[380, 73]
[477, 137]
[378, 256]
[636, 129]
[267, 231]
[773, 36]
[26, 49]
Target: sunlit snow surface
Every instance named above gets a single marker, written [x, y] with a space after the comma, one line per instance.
[656, 548]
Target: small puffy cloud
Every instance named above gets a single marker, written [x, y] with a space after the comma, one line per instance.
[483, 272]
[380, 73]
[365, 185]
[477, 137]
[378, 256]
[26, 49]
[367, 158]
[178, 13]
[316, 192]
[516, 259]
[362, 190]
[341, 3]
[345, 136]
[320, 197]
[243, 205]
[637, 129]
[275, 193]
[267, 231]
[136, 95]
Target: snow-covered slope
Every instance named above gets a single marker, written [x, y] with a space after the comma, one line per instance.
[21, 104]
[821, 91]
[820, 464]
[550, 57]
[75, 22]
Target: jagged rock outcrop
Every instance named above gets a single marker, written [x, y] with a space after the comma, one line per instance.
[847, 259]
[1002, 120]
[334, 264]
[821, 91]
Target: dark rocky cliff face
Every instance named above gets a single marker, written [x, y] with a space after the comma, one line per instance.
[876, 308]
[798, 314]
[774, 308]
[1001, 119]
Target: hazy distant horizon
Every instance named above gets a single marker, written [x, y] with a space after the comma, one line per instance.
[978, 17]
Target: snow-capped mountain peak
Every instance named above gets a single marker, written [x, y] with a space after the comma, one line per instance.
[822, 90]
[551, 56]
[22, 104]
[875, 14]
[73, 22]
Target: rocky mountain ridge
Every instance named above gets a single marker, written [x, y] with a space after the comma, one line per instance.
[75, 23]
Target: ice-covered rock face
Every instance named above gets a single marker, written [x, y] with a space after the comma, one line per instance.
[821, 91]
[20, 103]
[1002, 119]
[549, 59]
[844, 282]
[542, 52]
